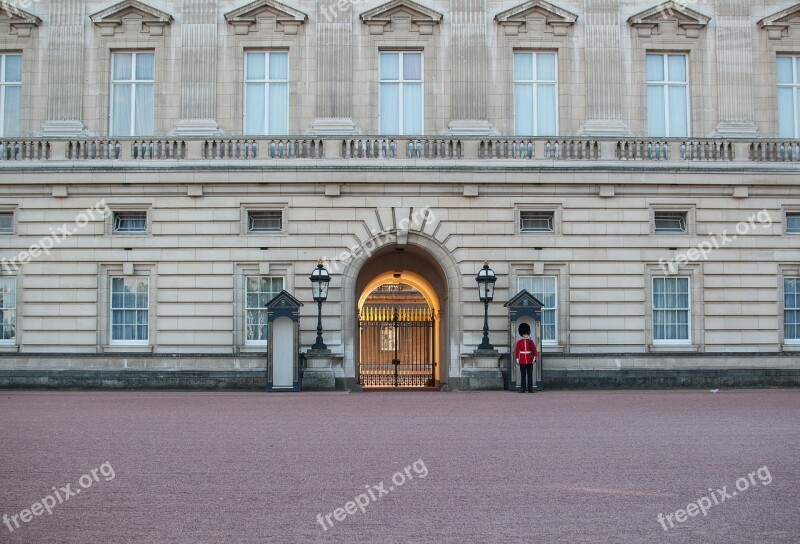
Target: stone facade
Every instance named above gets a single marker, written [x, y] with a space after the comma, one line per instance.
[449, 199]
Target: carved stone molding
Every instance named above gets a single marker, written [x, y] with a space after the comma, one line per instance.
[516, 20]
[112, 20]
[778, 25]
[397, 14]
[248, 18]
[689, 22]
[20, 22]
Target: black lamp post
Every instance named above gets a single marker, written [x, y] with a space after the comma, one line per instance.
[319, 286]
[486, 279]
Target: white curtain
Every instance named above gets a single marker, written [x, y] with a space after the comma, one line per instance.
[546, 106]
[145, 67]
[788, 118]
[656, 102]
[121, 110]
[255, 103]
[11, 110]
[256, 66]
[278, 108]
[523, 109]
[390, 108]
[544, 289]
[678, 111]
[144, 110]
[123, 66]
[671, 308]
[412, 109]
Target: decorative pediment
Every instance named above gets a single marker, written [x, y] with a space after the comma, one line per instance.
[533, 14]
[268, 13]
[688, 21]
[20, 22]
[523, 299]
[131, 14]
[399, 14]
[779, 24]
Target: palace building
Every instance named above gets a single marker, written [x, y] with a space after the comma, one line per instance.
[169, 167]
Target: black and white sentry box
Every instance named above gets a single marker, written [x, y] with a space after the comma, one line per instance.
[524, 308]
[283, 365]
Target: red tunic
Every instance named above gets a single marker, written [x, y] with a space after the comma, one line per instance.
[526, 351]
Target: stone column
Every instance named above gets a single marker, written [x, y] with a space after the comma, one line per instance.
[65, 69]
[334, 115]
[198, 69]
[736, 110]
[603, 61]
[469, 68]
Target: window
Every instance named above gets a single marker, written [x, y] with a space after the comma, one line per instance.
[6, 222]
[401, 103]
[670, 222]
[793, 223]
[132, 88]
[10, 94]
[533, 222]
[545, 289]
[264, 221]
[260, 290]
[8, 309]
[535, 94]
[667, 96]
[266, 92]
[130, 222]
[789, 97]
[791, 309]
[671, 310]
[130, 310]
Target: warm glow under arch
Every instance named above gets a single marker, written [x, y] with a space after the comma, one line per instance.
[409, 278]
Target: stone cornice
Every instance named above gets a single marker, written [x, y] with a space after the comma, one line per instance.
[245, 18]
[110, 20]
[557, 20]
[379, 19]
[689, 21]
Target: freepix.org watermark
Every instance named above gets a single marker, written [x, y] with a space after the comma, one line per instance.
[717, 241]
[666, 9]
[332, 11]
[380, 238]
[44, 245]
[59, 496]
[714, 498]
[374, 492]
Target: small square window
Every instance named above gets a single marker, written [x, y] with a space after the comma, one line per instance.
[793, 223]
[536, 222]
[670, 222]
[264, 221]
[130, 222]
[6, 222]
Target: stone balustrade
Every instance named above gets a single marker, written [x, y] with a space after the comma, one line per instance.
[543, 151]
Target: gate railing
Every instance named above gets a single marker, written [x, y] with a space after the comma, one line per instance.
[397, 346]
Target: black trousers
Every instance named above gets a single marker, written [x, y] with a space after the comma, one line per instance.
[526, 377]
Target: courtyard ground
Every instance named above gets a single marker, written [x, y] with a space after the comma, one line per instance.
[552, 467]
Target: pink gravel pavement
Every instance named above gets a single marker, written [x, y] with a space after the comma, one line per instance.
[257, 468]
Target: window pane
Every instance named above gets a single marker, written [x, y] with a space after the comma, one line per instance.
[547, 110]
[412, 108]
[678, 114]
[125, 222]
[655, 68]
[144, 110]
[256, 66]
[656, 111]
[412, 66]
[544, 289]
[546, 67]
[13, 68]
[390, 66]
[785, 73]
[677, 68]
[279, 66]
[786, 113]
[145, 66]
[123, 64]
[255, 97]
[265, 221]
[390, 108]
[11, 110]
[6, 222]
[121, 110]
[279, 108]
[793, 223]
[523, 110]
[523, 66]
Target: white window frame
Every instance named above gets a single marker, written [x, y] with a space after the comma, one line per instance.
[788, 214]
[795, 86]
[788, 341]
[667, 83]
[688, 310]
[116, 232]
[3, 86]
[402, 83]
[247, 308]
[13, 214]
[536, 83]
[267, 82]
[132, 82]
[520, 280]
[248, 211]
[10, 341]
[683, 214]
[550, 213]
[111, 310]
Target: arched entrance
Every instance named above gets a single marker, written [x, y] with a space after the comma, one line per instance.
[403, 296]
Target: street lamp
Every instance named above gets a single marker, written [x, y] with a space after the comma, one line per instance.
[319, 288]
[486, 279]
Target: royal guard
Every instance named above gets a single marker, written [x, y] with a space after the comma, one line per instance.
[526, 356]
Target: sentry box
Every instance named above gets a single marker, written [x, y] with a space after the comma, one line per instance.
[283, 368]
[523, 308]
